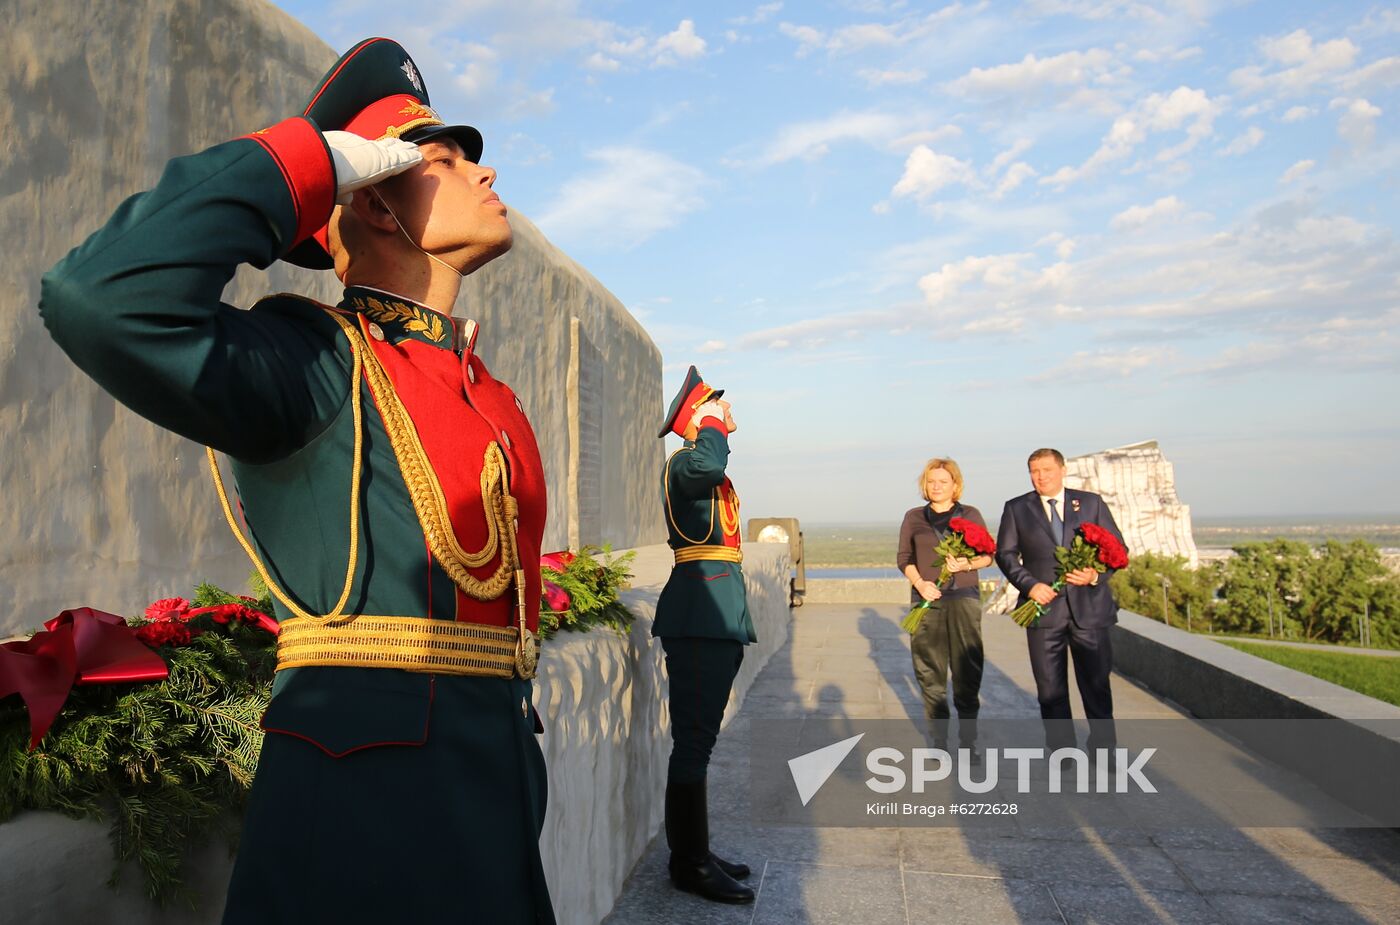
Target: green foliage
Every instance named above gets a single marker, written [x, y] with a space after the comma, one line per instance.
[1139, 588]
[1373, 675]
[592, 580]
[1317, 594]
[168, 764]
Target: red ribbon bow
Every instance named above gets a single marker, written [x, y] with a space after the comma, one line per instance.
[80, 646]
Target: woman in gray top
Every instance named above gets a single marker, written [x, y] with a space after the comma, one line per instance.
[950, 635]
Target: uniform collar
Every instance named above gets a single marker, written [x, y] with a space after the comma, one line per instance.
[400, 319]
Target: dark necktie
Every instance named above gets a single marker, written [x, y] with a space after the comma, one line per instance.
[1057, 525]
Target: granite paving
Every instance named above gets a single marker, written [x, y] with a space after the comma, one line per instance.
[851, 661]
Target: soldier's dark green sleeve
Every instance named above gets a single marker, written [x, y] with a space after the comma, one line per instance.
[137, 306]
[696, 471]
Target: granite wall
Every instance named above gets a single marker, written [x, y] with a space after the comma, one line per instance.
[102, 508]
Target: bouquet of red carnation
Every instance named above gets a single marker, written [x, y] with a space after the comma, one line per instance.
[965, 540]
[1094, 547]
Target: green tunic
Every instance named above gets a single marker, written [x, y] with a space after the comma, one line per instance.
[704, 598]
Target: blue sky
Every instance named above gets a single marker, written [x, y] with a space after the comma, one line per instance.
[893, 229]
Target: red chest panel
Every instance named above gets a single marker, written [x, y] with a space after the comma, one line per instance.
[458, 410]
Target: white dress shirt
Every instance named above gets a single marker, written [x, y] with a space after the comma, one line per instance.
[1059, 504]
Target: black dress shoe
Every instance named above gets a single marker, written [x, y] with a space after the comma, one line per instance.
[737, 871]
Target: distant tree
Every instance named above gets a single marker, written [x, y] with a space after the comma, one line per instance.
[1139, 588]
[1260, 584]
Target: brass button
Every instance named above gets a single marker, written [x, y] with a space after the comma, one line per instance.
[376, 331]
[506, 438]
[524, 708]
[471, 375]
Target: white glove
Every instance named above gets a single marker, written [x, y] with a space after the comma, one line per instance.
[360, 162]
[710, 409]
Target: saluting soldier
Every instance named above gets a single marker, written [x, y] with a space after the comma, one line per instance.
[391, 488]
[703, 620]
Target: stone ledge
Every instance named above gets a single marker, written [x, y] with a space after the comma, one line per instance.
[606, 743]
[1219, 684]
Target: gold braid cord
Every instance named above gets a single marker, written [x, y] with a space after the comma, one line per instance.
[263, 573]
[728, 513]
[666, 489]
[430, 503]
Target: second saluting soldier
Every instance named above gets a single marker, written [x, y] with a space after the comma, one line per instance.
[702, 618]
[392, 488]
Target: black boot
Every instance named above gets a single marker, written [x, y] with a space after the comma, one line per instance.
[737, 871]
[693, 868]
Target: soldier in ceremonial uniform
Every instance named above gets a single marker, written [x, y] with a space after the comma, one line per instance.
[703, 620]
[391, 491]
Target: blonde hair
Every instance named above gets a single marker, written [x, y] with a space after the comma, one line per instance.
[947, 465]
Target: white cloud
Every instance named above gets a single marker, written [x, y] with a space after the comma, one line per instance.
[711, 346]
[1296, 64]
[1245, 142]
[1092, 366]
[1159, 55]
[875, 78]
[1183, 109]
[1297, 171]
[995, 271]
[1374, 76]
[1019, 147]
[601, 62]
[1141, 216]
[629, 196]
[760, 15]
[1357, 123]
[812, 140]
[808, 39]
[926, 172]
[1032, 74]
[1015, 175]
[858, 37]
[1299, 113]
[923, 137]
[681, 45]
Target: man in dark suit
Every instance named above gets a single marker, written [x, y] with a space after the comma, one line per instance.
[1078, 618]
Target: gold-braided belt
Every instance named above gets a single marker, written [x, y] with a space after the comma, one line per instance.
[411, 643]
[708, 553]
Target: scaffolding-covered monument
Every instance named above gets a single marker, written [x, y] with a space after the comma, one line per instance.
[1140, 487]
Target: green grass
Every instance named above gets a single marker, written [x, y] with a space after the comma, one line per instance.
[1372, 675]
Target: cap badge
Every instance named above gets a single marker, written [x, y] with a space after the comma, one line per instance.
[412, 73]
[415, 108]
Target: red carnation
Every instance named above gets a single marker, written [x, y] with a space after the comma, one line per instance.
[164, 633]
[224, 614]
[170, 608]
[558, 561]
